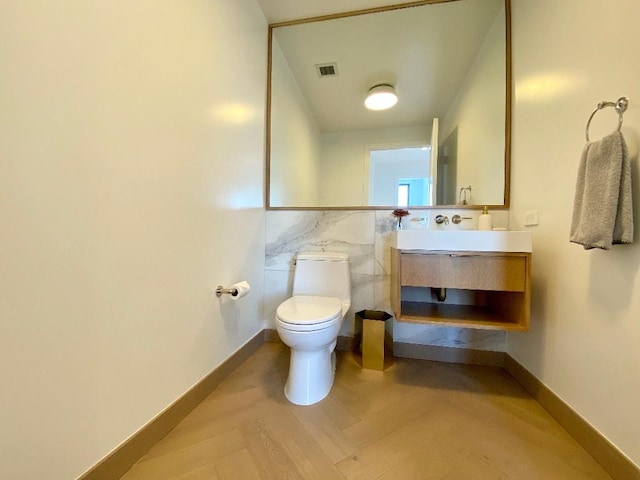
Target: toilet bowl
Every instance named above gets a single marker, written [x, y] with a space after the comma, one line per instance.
[309, 323]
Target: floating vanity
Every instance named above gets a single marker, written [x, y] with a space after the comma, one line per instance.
[484, 275]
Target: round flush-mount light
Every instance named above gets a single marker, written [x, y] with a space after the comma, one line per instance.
[381, 97]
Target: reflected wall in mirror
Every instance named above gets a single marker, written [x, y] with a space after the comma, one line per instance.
[449, 63]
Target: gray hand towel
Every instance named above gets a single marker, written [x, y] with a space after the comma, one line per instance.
[602, 208]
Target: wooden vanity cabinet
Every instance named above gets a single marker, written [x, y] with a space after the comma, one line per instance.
[497, 282]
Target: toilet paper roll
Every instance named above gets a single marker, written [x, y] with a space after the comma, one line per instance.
[242, 288]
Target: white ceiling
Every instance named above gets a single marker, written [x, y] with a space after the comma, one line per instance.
[282, 10]
[425, 52]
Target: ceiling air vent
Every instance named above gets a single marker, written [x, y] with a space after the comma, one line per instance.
[327, 70]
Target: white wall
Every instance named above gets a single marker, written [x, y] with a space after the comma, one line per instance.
[131, 159]
[478, 113]
[387, 167]
[584, 341]
[345, 157]
[295, 140]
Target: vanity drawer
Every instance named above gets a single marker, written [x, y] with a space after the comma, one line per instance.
[470, 271]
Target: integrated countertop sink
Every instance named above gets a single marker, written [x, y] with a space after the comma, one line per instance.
[463, 240]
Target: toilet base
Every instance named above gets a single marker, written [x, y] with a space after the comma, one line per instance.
[311, 375]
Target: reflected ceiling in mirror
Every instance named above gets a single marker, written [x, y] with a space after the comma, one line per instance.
[449, 64]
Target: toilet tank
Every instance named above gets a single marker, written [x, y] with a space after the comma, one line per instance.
[323, 274]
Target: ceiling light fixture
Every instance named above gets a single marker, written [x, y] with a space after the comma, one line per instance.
[381, 97]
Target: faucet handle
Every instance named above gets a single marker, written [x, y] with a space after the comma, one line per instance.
[457, 219]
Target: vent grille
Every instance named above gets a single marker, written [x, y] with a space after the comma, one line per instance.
[327, 70]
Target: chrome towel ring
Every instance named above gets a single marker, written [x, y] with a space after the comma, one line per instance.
[620, 106]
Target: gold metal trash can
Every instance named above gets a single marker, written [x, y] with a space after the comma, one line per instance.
[373, 337]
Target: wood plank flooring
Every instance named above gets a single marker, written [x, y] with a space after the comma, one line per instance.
[416, 420]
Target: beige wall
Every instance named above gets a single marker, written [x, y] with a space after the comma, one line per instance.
[345, 161]
[478, 114]
[131, 170]
[295, 140]
[584, 341]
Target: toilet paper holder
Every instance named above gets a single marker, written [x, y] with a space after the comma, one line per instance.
[229, 291]
[237, 290]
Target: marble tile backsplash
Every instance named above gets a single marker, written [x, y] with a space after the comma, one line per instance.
[365, 236]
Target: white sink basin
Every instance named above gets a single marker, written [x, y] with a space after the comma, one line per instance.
[464, 240]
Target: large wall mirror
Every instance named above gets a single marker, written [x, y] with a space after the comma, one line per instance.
[445, 142]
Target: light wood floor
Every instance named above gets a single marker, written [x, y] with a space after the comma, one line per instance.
[417, 420]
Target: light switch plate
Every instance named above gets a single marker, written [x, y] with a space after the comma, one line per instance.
[531, 218]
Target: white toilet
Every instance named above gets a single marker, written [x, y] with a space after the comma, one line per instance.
[309, 323]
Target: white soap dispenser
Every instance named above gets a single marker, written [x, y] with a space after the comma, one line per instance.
[484, 221]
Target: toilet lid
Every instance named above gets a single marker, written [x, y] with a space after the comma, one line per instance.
[309, 310]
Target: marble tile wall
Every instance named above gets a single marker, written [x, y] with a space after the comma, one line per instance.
[365, 236]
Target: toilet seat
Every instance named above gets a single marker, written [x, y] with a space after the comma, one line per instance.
[305, 313]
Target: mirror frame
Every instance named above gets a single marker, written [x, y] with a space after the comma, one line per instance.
[508, 97]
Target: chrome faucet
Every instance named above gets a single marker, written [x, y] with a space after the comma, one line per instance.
[440, 219]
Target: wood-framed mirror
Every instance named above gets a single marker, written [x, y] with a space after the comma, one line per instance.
[445, 143]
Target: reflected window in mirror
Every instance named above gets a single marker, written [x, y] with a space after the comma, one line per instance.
[403, 194]
[389, 168]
